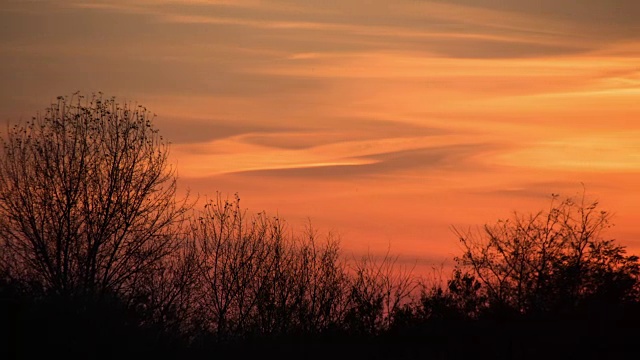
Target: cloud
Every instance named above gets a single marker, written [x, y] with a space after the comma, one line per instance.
[603, 152]
[451, 158]
[184, 130]
[492, 49]
[535, 189]
[370, 25]
[612, 18]
[340, 130]
[256, 49]
[427, 106]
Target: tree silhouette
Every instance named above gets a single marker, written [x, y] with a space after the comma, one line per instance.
[87, 199]
[98, 259]
[550, 261]
[256, 278]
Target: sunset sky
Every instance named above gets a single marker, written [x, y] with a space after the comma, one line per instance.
[383, 121]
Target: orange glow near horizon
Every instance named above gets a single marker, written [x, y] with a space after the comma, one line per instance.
[384, 122]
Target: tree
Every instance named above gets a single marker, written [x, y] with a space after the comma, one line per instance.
[258, 279]
[87, 198]
[550, 261]
[379, 290]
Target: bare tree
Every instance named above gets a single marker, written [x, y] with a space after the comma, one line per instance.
[379, 288]
[87, 198]
[257, 278]
[550, 260]
[322, 282]
[165, 296]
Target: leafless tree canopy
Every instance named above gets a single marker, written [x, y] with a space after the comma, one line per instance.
[256, 277]
[88, 208]
[87, 199]
[550, 260]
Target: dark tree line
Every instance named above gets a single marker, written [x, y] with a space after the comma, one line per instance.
[100, 259]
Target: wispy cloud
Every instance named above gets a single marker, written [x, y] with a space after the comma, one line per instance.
[604, 152]
[444, 108]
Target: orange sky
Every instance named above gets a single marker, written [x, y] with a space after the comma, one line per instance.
[383, 121]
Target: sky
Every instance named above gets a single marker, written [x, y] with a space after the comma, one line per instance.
[384, 122]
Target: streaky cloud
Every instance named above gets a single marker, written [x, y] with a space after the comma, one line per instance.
[457, 158]
[340, 130]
